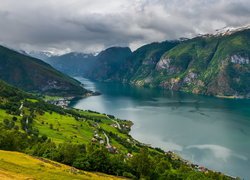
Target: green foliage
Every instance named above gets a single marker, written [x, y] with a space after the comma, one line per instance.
[37, 137]
[200, 65]
[79, 63]
[34, 75]
[142, 62]
[11, 139]
[142, 164]
[109, 63]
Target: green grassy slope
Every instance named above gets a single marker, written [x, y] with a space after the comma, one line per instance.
[34, 75]
[15, 165]
[109, 64]
[60, 125]
[214, 65]
[217, 65]
[142, 62]
[79, 138]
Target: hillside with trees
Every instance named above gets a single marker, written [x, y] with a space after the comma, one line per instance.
[34, 75]
[85, 140]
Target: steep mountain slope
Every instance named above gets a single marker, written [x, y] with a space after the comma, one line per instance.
[213, 65]
[43, 55]
[142, 61]
[34, 75]
[109, 64]
[216, 65]
[72, 63]
[106, 66]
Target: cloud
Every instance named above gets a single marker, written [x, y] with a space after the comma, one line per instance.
[219, 152]
[92, 25]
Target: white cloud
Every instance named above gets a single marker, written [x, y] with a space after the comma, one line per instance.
[91, 25]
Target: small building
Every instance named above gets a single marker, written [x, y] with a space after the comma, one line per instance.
[129, 155]
[94, 139]
[112, 149]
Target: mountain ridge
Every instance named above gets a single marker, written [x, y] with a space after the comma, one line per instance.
[34, 75]
[211, 64]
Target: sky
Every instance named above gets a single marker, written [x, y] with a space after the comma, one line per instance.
[61, 26]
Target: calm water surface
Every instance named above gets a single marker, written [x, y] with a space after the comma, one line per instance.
[209, 131]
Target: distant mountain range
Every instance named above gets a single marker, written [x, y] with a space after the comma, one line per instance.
[212, 64]
[35, 75]
[100, 66]
[43, 55]
[72, 63]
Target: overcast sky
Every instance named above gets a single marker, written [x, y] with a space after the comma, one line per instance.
[92, 25]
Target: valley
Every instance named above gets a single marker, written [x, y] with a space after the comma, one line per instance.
[49, 128]
[33, 75]
[121, 89]
[211, 64]
[83, 139]
[209, 131]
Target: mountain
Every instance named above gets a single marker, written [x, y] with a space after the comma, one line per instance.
[109, 64]
[141, 63]
[35, 75]
[213, 64]
[43, 55]
[72, 63]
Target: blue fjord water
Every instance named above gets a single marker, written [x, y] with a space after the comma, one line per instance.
[208, 131]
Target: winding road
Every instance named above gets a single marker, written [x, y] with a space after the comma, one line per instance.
[20, 108]
[107, 138]
[118, 125]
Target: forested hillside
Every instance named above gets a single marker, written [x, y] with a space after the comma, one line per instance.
[217, 65]
[34, 75]
[85, 140]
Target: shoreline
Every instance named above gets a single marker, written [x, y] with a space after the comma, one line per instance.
[176, 153]
[65, 101]
[173, 155]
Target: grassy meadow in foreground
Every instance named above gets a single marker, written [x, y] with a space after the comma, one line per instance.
[15, 165]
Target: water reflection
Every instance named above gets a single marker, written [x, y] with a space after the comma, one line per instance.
[209, 131]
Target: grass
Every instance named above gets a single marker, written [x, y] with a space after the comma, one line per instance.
[15, 64]
[4, 115]
[51, 98]
[204, 56]
[109, 128]
[61, 128]
[65, 128]
[32, 100]
[15, 165]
